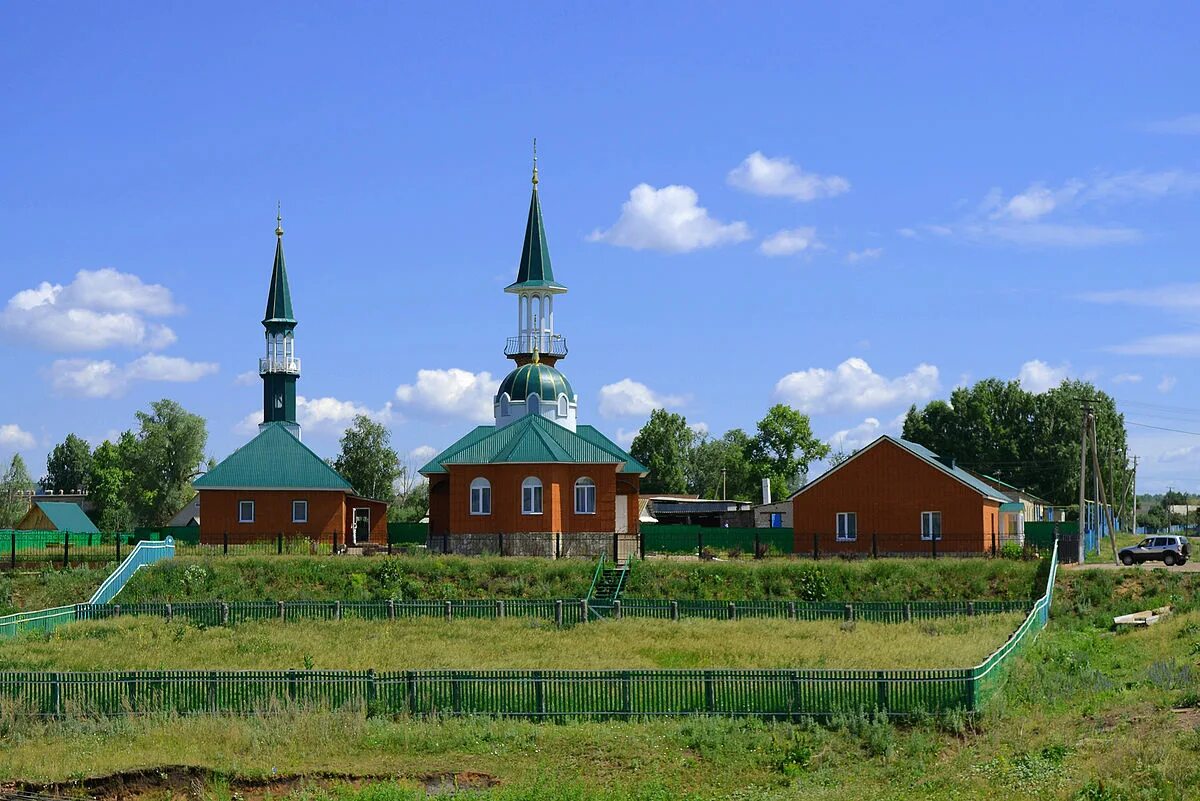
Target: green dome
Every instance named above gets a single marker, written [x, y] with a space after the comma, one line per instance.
[536, 379]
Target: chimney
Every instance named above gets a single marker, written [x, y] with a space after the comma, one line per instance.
[766, 489]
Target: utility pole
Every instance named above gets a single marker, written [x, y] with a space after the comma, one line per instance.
[1083, 448]
[1133, 486]
[1101, 497]
[723, 484]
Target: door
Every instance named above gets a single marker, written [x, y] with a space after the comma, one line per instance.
[362, 525]
[622, 514]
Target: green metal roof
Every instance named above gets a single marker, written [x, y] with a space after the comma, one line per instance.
[538, 379]
[535, 271]
[275, 459]
[534, 440]
[67, 517]
[279, 297]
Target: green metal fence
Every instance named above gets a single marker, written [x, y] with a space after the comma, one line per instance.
[659, 538]
[532, 694]
[408, 533]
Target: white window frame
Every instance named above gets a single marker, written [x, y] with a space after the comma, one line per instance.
[242, 512]
[533, 404]
[300, 518]
[585, 484]
[927, 532]
[847, 527]
[531, 496]
[563, 406]
[504, 401]
[481, 496]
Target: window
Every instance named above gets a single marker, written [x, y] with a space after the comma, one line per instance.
[504, 405]
[847, 526]
[481, 497]
[245, 511]
[299, 511]
[533, 405]
[562, 406]
[931, 525]
[531, 495]
[585, 497]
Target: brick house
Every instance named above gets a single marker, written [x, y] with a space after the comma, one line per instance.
[895, 496]
[536, 482]
[275, 484]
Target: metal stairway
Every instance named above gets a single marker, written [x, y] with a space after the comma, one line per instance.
[608, 582]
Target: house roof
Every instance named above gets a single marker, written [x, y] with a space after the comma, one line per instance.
[67, 517]
[925, 455]
[275, 459]
[1011, 490]
[534, 271]
[279, 296]
[534, 440]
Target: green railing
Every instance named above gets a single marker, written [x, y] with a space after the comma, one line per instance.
[534, 694]
[40, 620]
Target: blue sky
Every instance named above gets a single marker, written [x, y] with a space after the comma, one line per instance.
[847, 207]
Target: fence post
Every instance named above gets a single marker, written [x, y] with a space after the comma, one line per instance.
[641, 544]
[710, 693]
[908, 613]
[118, 547]
[994, 549]
[224, 614]
[116, 610]
[337, 610]
[282, 613]
[970, 609]
[848, 612]
[539, 691]
[66, 550]
[391, 609]
[791, 607]
[212, 691]
[675, 611]
[881, 691]
[558, 614]
[279, 545]
[170, 612]
[335, 536]
[370, 691]
[499, 609]
[449, 611]
[500, 543]
[583, 610]
[617, 609]
[225, 550]
[874, 545]
[56, 694]
[732, 611]
[13, 562]
[816, 546]
[933, 544]
[616, 547]
[700, 543]
[446, 542]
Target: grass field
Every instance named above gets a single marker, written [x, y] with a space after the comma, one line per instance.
[149, 643]
[47, 588]
[442, 577]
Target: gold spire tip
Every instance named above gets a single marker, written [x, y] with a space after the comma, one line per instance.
[278, 218]
[535, 177]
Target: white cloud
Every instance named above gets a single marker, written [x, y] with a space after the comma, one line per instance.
[668, 219]
[1181, 454]
[863, 434]
[865, 254]
[790, 241]
[1185, 344]
[452, 394]
[105, 379]
[99, 309]
[1169, 296]
[1037, 376]
[247, 379]
[1187, 125]
[320, 415]
[625, 437]
[1037, 201]
[908, 233]
[1167, 384]
[629, 398]
[423, 453]
[1051, 235]
[854, 385]
[778, 177]
[1126, 378]
[700, 429]
[14, 437]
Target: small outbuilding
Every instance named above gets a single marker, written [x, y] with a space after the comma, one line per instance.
[898, 497]
[57, 516]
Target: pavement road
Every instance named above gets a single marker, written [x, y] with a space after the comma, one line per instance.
[1192, 566]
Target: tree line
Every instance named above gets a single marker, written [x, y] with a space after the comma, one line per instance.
[144, 477]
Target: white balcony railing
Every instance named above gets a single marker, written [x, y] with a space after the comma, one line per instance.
[290, 366]
[547, 344]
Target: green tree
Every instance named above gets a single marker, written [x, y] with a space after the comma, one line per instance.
[111, 483]
[783, 449]
[167, 455]
[410, 505]
[723, 466]
[69, 465]
[664, 446]
[367, 460]
[15, 488]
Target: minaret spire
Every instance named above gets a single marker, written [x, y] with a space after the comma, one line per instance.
[535, 180]
[279, 368]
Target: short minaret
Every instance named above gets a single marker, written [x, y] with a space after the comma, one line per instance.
[279, 368]
[535, 289]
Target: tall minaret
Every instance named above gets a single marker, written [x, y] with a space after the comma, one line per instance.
[535, 289]
[279, 368]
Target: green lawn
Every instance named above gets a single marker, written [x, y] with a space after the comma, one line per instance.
[135, 643]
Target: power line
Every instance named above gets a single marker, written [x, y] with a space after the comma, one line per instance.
[1162, 428]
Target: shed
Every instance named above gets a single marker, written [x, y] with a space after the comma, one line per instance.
[57, 516]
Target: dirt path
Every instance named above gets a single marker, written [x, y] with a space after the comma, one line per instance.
[1192, 566]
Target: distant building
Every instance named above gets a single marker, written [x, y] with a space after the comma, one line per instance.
[562, 487]
[773, 515]
[275, 484]
[696, 511]
[895, 496]
[57, 516]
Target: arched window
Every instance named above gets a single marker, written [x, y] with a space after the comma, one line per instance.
[533, 405]
[562, 406]
[504, 405]
[585, 497]
[481, 497]
[531, 496]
